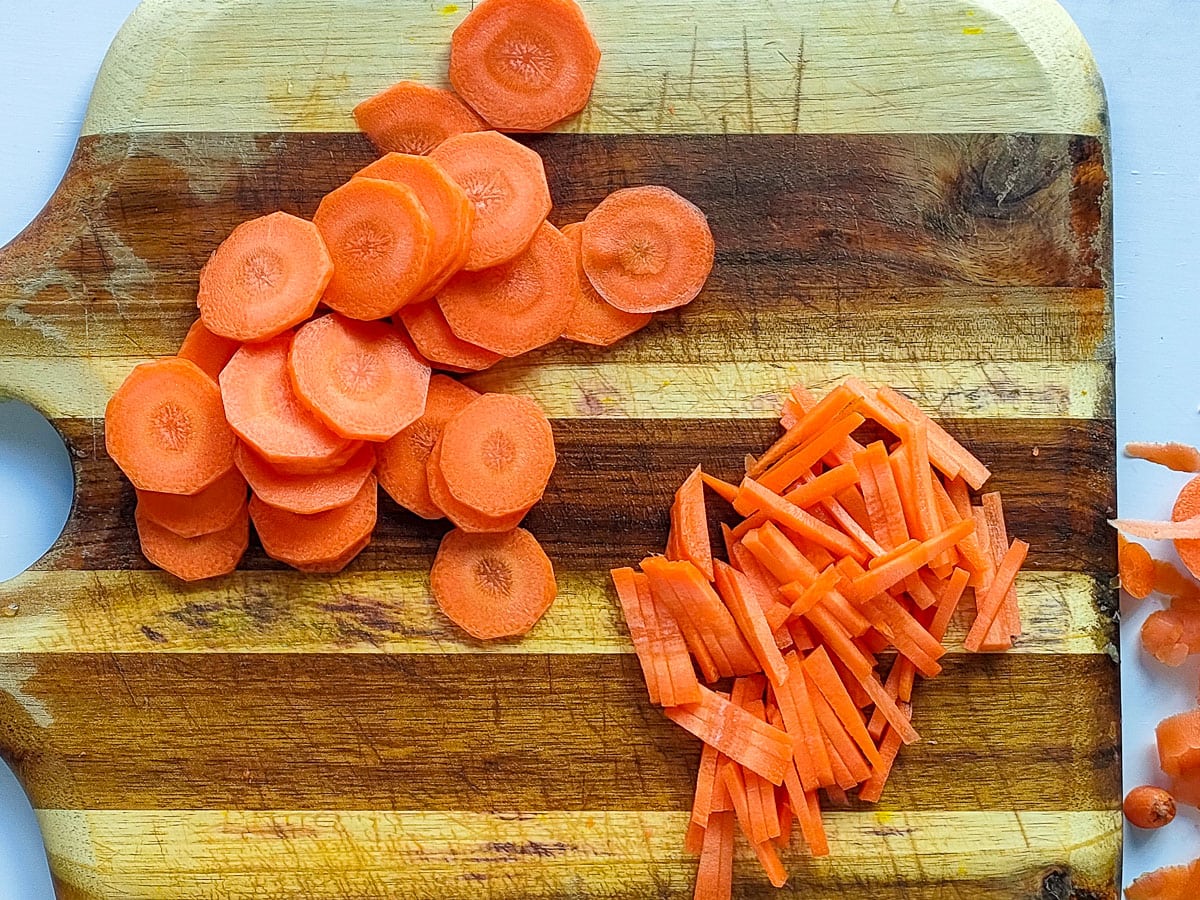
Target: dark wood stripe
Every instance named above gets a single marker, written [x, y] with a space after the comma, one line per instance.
[607, 503]
[130, 731]
[138, 215]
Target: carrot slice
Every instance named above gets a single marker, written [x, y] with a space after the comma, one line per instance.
[337, 563]
[735, 590]
[593, 319]
[1170, 581]
[647, 249]
[691, 518]
[1187, 506]
[262, 407]
[506, 182]
[1178, 739]
[380, 238]
[267, 276]
[195, 558]
[403, 459]
[191, 515]
[166, 430]
[493, 585]
[462, 515]
[305, 494]
[297, 539]
[437, 342]
[450, 212]
[736, 733]
[714, 877]
[1177, 457]
[524, 64]
[362, 379]
[207, 350]
[412, 118]
[498, 453]
[519, 305]
[1136, 569]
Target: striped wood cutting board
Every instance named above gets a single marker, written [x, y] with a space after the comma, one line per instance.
[915, 192]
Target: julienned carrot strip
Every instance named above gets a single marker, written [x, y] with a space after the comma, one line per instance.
[735, 590]
[952, 592]
[997, 639]
[872, 789]
[805, 598]
[818, 488]
[895, 717]
[735, 783]
[851, 500]
[858, 696]
[753, 497]
[804, 401]
[895, 553]
[691, 518]
[650, 661]
[722, 489]
[838, 640]
[693, 839]
[677, 679]
[881, 496]
[819, 668]
[811, 825]
[760, 791]
[714, 877]
[792, 723]
[969, 550]
[879, 580]
[993, 507]
[872, 407]
[706, 780]
[836, 403]
[907, 635]
[801, 637]
[768, 858]
[786, 818]
[801, 460]
[922, 595]
[809, 726]
[664, 597]
[841, 516]
[849, 768]
[693, 588]
[749, 524]
[990, 603]
[736, 733]
[878, 724]
[764, 588]
[950, 457]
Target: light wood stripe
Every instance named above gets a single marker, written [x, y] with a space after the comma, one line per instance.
[674, 66]
[350, 854]
[80, 387]
[392, 612]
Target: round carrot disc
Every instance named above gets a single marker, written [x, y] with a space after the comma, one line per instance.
[493, 585]
[413, 118]
[209, 351]
[192, 515]
[305, 494]
[463, 516]
[1187, 506]
[165, 428]
[524, 64]
[195, 558]
[263, 409]
[593, 319]
[518, 306]
[646, 249]
[506, 182]
[307, 540]
[431, 333]
[267, 276]
[497, 454]
[450, 212]
[379, 237]
[362, 379]
[330, 566]
[403, 459]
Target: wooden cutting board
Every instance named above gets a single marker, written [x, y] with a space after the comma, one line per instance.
[915, 192]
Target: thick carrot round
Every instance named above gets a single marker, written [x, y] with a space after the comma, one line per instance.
[506, 182]
[330, 566]
[193, 515]
[196, 558]
[1187, 506]
[1147, 806]
[308, 540]
[520, 305]
[207, 350]
[593, 319]
[267, 276]
[305, 494]
[493, 585]
[262, 407]
[413, 118]
[364, 380]
[437, 342]
[379, 237]
[463, 516]
[1136, 568]
[166, 430]
[451, 213]
[646, 249]
[402, 460]
[524, 64]
[497, 454]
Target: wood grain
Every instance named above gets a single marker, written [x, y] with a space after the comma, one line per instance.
[914, 191]
[503, 732]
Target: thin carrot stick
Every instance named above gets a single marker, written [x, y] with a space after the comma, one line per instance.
[753, 497]
[872, 790]
[990, 603]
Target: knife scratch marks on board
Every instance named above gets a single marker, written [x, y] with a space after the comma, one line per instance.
[749, 80]
[800, 63]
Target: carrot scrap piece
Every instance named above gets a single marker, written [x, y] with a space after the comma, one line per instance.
[1183, 530]
[1177, 457]
[1135, 567]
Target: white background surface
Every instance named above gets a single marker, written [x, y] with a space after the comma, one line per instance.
[1147, 49]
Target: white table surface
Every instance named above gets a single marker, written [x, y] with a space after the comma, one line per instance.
[1147, 52]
